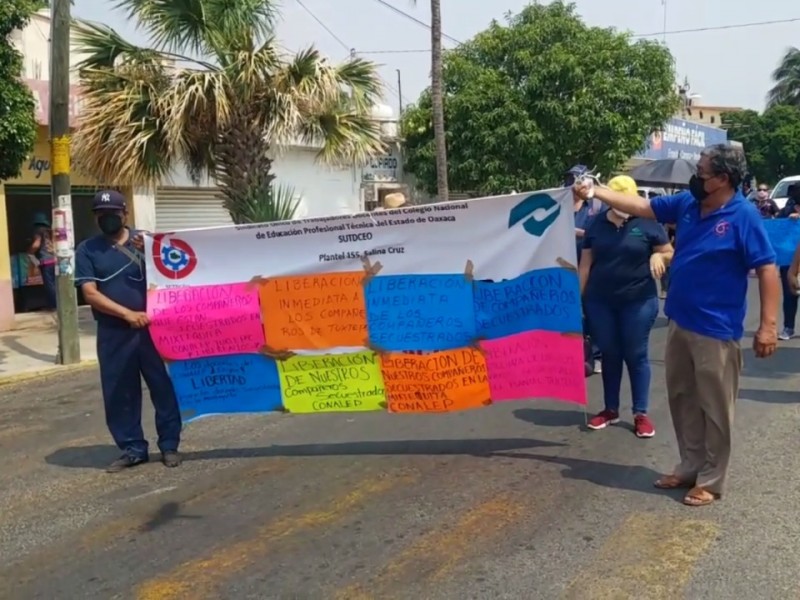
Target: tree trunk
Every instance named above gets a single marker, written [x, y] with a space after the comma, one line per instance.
[244, 168]
[437, 99]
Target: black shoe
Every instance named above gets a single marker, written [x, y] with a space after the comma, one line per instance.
[126, 461]
[171, 459]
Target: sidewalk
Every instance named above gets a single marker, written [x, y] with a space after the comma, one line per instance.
[30, 348]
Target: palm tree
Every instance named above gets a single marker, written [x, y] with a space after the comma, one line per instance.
[215, 94]
[787, 80]
[437, 101]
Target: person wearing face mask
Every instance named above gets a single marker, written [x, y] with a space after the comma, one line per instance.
[720, 237]
[622, 257]
[790, 299]
[766, 207]
[110, 271]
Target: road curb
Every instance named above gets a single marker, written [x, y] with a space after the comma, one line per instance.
[14, 378]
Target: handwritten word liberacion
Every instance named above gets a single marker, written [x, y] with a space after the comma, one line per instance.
[547, 299]
[341, 382]
[315, 311]
[194, 322]
[420, 312]
[438, 382]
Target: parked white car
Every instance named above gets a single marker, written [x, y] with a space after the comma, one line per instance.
[651, 192]
[780, 194]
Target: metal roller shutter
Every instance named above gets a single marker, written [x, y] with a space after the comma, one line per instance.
[189, 208]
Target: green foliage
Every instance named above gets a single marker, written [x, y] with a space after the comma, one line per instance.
[527, 99]
[771, 140]
[787, 80]
[276, 203]
[216, 94]
[17, 108]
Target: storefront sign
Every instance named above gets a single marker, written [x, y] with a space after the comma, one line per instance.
[41, 95]
[425, 309]
[383, 168]
[682, 139]
[37, 166]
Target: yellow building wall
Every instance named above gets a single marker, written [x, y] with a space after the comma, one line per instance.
[6, 290]
[35, 171]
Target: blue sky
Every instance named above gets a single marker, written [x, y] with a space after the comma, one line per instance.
[730, 67]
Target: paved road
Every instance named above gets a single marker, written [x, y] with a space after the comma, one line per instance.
[508, 502]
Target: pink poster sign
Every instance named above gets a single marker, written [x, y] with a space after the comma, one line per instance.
[536, 364]
[212, 320]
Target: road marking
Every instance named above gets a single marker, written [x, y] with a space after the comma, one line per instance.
[439, 552]
[196, 579]
[163, 490]
[649, 552]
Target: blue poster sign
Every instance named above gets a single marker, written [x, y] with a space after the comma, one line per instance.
[682, 139]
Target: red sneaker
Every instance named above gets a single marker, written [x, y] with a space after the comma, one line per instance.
[643, 426]
[603, 419]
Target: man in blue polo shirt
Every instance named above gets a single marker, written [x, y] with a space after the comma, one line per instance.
[720, 237]
[109, 270]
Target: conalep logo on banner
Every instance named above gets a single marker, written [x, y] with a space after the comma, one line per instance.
[422, 309]
[174, 258]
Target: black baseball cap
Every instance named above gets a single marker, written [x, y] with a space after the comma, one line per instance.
[109, 200]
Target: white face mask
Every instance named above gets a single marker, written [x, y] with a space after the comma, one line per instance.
[620, 214]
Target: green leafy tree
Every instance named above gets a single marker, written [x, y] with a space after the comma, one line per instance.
[787, 80]
[17, 108]
[215, 93]
[527, 99]
[771, 140]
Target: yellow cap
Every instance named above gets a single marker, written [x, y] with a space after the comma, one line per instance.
[624, 185]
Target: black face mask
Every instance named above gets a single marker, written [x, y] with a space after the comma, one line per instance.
[110, 224]
[697, 187]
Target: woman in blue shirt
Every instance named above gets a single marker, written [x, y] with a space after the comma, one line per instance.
[790, 211]
[621, 259]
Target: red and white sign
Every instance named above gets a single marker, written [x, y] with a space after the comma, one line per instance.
[41, 95]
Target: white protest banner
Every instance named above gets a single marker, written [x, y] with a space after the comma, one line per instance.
[421, 309]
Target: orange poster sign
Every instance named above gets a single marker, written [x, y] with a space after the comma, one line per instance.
[314, 312]
[436, 382]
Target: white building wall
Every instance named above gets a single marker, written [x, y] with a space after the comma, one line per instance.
[34, 44]
[323, 190]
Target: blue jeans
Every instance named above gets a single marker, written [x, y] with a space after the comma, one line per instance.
[789, 301]
[125, 356]
[622, 332]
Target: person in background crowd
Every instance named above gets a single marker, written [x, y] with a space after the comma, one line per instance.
[765, 205]
[394, 200]
[621, 259]
[42, 248]
[790, 211]
[747, 186]
[583, 218]
[720, 237]
[109, 270]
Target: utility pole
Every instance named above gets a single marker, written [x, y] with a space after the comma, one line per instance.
[400, 92]
[69, 350]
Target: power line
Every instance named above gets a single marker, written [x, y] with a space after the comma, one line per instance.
[325, 27]
[349, 49]
[636, 35]
[414, 19]
[719, 27]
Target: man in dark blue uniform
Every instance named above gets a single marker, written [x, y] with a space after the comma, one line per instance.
[109, 269]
